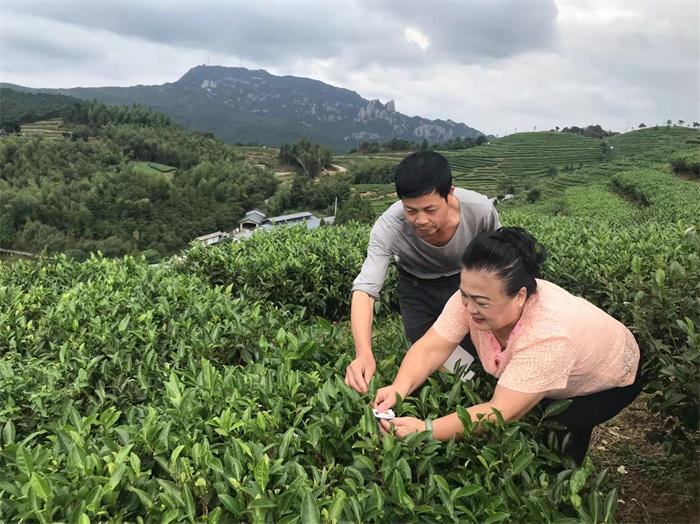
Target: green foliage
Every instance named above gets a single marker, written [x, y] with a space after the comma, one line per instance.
[521, 158]
[663, 196]
[533, 195]
[309, 158]
[369, 172]
[357, 209]
[97, 194]
[593, 131]
[654, 143]
[369, 148]
[597, 201]
[19, 108]
[96, 115]
[291, 267]
[133, 393]
[687, 162]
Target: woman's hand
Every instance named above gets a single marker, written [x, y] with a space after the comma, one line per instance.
[386, 398]
[404, 426]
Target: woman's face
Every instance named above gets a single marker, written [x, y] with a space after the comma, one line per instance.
[484, 297]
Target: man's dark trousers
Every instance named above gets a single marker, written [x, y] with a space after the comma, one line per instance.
[421, 301]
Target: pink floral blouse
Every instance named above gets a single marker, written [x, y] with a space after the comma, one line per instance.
[562, 345]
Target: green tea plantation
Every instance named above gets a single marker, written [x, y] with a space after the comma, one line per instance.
[211, 389]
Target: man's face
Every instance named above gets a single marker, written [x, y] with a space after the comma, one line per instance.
[427, 214]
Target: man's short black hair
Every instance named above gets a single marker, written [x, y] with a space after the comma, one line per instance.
[422, 173]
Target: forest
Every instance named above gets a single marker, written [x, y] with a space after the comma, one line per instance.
[124, 180]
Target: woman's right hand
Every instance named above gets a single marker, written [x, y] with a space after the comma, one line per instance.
[386, 398]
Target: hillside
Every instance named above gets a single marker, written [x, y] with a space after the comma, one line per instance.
[241, 105]
[211, 389]
[207, 390]
[653, 141]
[19, 108]
[120, 180]
[547, 161]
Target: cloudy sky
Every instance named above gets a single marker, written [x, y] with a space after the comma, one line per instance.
[497, 65]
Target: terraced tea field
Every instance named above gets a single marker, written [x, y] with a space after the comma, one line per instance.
[655, 140]
[50, 129]
[523, 159]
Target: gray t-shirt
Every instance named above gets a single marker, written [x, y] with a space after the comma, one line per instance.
[393, 236]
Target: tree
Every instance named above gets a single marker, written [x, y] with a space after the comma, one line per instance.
[681, 122]
[669, 122]
[696, 124]
[356, 209]
[373, 172]
[481, 140]
[533, 195]
[642, 125]
[309, 158]
[399, 144]
[507, 186]
[552, 171]
[369, 148]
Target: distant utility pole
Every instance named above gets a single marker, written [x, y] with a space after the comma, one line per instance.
[335, 207]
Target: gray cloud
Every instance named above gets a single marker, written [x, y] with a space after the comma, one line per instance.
[495, 65]
[359, 32]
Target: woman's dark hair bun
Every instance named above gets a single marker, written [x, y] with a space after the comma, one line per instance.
[531, 252]
[512, 253]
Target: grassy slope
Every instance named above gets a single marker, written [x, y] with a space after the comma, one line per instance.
[523, 160]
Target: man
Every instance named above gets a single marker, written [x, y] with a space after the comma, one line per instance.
[426, 232]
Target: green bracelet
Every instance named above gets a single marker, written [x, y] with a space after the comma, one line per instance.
[428, 425]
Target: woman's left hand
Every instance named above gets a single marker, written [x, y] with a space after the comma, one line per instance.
[403, 425]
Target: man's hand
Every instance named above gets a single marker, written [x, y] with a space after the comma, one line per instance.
[386, 398]
[404, 426]
[360, 372]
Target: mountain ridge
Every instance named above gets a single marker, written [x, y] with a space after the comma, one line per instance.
[244, 105]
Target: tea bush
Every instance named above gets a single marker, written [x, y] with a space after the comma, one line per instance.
[112, 328]
[639, 263]
[292, 267]
[665, 197]
[125, 406]
[687, 162]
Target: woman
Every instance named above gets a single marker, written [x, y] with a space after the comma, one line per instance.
[539, 340]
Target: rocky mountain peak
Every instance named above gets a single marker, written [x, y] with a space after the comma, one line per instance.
[375, 110]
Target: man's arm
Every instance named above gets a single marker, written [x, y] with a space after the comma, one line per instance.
[366, 288]
[362, 368]
[361, 315]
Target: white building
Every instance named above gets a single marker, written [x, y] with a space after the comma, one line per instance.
[212, 238]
